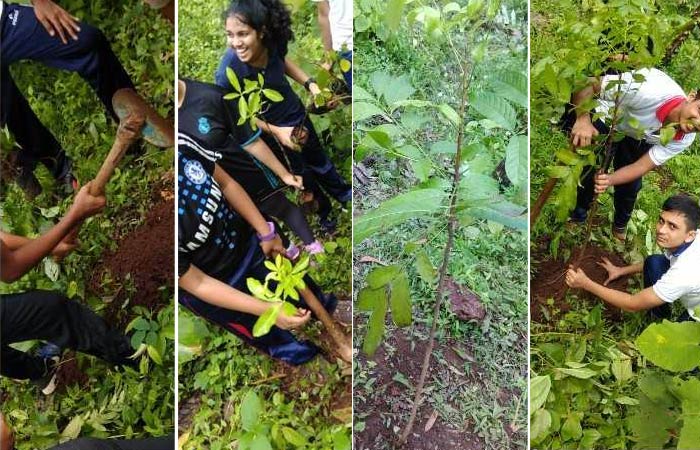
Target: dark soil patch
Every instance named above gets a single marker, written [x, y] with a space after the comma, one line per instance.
[549, 289]
[386, 406]
[667, 181]
[144, 258]
[69, 373]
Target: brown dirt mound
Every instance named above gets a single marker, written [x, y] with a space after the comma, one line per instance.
[549, 289]
[144, 257]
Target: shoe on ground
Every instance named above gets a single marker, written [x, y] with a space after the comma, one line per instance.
[619, 233]
[292, 252]
[328, 225]
[48, 383]
[49, 350]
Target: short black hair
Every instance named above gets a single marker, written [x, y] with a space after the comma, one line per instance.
[686, 205]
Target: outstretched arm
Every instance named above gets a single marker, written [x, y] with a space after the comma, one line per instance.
[643, 300]
[299, 75]
[17, 261]
[259, 149]
[220, 294]
[324, 24]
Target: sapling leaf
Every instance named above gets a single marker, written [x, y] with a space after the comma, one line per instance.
[250, 410]
[382, 275]
[375, 328]
[424, 267]
[368, 299]
[231, 96]
[266, 320]
[400, 300]
[233, 79]
[272, 95]
[250, 86]
[293, 437]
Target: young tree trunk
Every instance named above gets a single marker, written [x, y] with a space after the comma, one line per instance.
[343, 343]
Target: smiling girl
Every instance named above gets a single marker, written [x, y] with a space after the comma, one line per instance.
[258, 33]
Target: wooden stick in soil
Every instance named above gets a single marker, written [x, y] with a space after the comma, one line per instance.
[342, 342]
[542, 199]
[439, 297]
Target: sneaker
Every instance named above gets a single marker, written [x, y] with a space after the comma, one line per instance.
[314, 248]
[292, 252]
[47, 383]
[578, 215]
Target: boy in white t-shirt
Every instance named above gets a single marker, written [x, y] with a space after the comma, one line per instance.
[335, 21]
[670, 277]
[649, 101]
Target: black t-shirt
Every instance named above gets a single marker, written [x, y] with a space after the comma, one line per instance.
[211, 121]
[211, 235]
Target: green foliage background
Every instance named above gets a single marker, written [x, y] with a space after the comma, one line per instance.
[124, 403]
[217, 367]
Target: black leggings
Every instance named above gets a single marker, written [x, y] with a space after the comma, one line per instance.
[52, 317]
[279, 207]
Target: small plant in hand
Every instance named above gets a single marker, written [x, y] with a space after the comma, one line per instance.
[289, 280]
[251, 97]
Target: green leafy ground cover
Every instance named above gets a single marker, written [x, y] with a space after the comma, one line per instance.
[226, 387]
[98, 401]
[595, 380]
[407, 92]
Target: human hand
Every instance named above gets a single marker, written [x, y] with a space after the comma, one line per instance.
[602, 182]
[7, 439]
[576, 278]
[67, 245]
[290, 322]
[273, 247]
[56, 20]
[614, 272]
[293, 180]
[284, 136]
[85, 204]
[314, 89]
[327, 65]
[583, 132]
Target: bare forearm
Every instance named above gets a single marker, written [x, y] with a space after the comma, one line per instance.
[325, 25]
[17, 262]
[215, 292]
[632, 172]
[239, 200]
[12, 241]
[632, 269]
[262, 152]
[294, 71]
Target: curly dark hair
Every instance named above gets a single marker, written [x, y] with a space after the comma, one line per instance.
[269, 17]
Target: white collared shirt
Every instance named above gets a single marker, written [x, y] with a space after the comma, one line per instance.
[682, 281]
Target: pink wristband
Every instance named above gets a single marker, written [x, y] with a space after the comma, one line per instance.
[270, 236]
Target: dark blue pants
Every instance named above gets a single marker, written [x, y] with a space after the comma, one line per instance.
[24, 38]
[278, 343]
[626, 152]
[655, 266]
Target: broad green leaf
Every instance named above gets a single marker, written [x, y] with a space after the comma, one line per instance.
[444, 147]
[571, 429]
[517, 154]
[476, 187]
[539, 390]
[250, 410]
[360, 94]
[652, 423]
[261, 442]
[363, 111]
[293, 437]
[51, 269]
[424, 267]
[392, 89]
[375, 330]
[494, 108]
[450, 114]
[272, 95]
[689, 393]
[539, 426]
[401, 301]
[368, 299]
[155, 355]
[582, 373]
[512, 86]
[409, 205]
[341, 440]
[382, 275]
[588, 439]
[503, 212]
[266, 320]
[393, 11]
[653, 385]
[671, 346]
[233, 79]
[191, 330]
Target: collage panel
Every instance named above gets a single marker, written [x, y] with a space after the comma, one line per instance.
[87, 230]
[440, 225]
[264, 225]
[614, 220]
